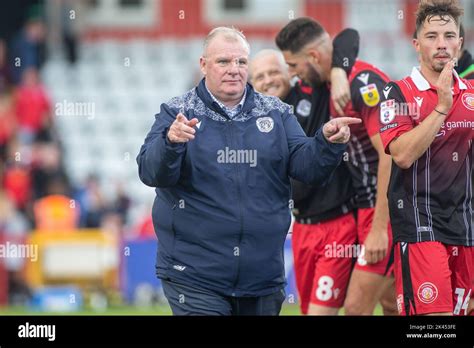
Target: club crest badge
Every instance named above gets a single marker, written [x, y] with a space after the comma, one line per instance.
[427, 292]
[468, 101]
[303, 108]
[265, 124]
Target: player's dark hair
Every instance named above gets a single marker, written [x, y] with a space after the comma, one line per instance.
[461, 34]
[298, 33]
[445, 9]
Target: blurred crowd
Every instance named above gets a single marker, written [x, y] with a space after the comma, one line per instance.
[35, 190]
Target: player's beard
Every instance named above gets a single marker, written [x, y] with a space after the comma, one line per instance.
[439, 66]
[314, 78]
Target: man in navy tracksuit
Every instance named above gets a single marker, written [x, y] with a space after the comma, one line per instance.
[221, 157]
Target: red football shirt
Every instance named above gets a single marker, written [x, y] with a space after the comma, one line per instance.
[432, 200]
[366, 83]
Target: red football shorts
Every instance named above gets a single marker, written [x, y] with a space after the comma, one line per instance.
[432, 277]
[364, 224]
[322, 268]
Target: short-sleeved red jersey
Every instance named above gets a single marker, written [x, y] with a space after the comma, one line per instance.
[366, 83]
[432, 200]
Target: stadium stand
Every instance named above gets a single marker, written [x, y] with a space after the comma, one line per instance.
[103, 100]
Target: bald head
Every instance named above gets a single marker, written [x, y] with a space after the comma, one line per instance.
[269, 73]
[229, 34]
[264, 54]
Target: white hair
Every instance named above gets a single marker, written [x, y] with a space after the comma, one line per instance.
[229, 33]
[271, 52]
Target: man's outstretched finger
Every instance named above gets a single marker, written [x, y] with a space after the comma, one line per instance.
[344, 121]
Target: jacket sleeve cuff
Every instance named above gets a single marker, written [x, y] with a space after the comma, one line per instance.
[333, 147]
[172, 146]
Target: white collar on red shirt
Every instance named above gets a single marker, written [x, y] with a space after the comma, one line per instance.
[423, 85]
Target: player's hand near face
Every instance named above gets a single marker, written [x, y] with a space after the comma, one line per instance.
[443, 86]
[181, 130]
[337, 130]
[410, 146]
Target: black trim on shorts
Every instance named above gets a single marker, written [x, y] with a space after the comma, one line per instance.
[391, 260]
[408, 296]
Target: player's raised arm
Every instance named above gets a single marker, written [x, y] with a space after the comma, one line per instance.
[411, 145]
[346, 49]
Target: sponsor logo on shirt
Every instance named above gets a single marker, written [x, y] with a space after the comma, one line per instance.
[419, 101]
[364, 78]
[303, 108]
[450, 125]
[370, 95]
[387, 111]
[389, 126]
[468, 101]
[386, 91]
[427, 293]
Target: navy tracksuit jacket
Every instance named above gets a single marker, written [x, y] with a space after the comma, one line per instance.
[222, 219]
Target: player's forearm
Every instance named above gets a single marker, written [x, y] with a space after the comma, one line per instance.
[346, 49]
[410, 146]
[315, 159]
[381, 213]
